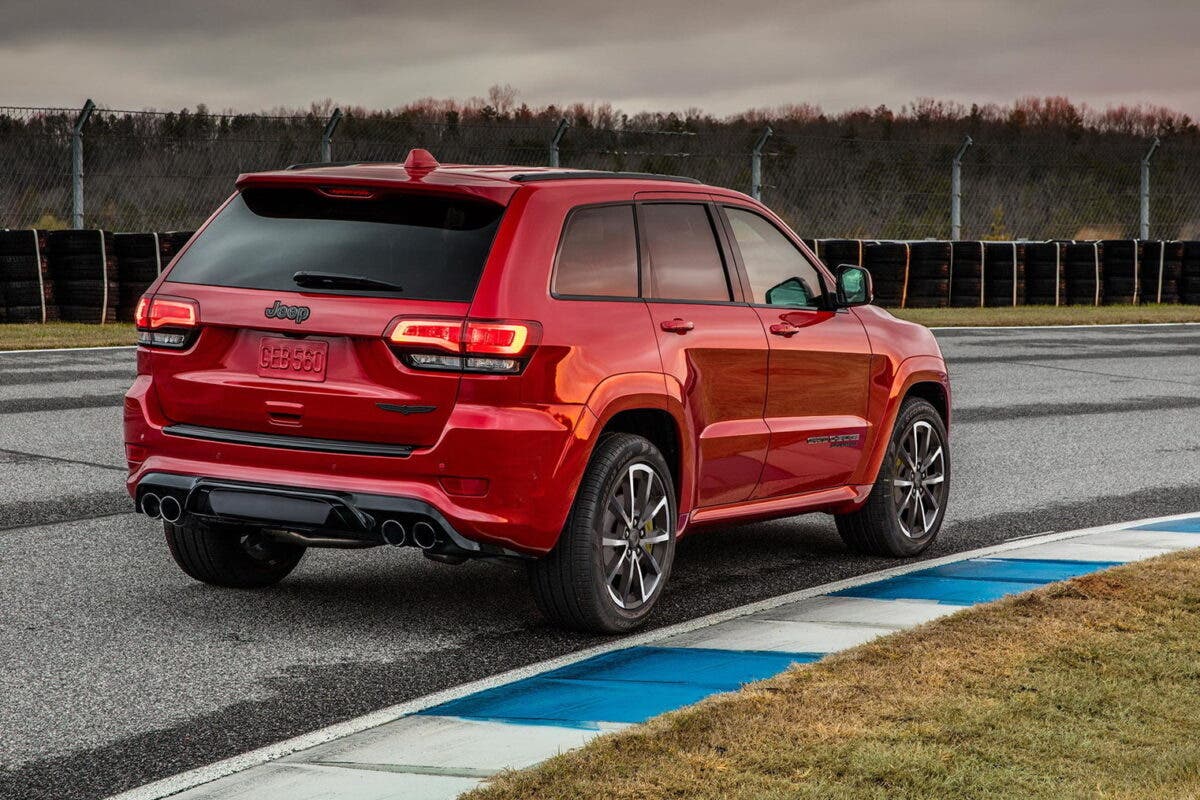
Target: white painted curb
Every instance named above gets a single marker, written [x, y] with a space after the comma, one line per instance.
[211, 772]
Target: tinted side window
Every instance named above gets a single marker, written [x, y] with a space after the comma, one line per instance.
[598, 256]
[685, 262]
[779, 273]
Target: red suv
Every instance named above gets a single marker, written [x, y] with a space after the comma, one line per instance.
[570, 368]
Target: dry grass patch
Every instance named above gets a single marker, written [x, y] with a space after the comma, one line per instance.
[65, 334]
[1049, 315]
[1089, 688]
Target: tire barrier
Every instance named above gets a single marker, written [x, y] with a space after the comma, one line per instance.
[1045, 284]
[1189, 282]
[1162, 272]
[1083, 267]
[84, 267]
[966, 280]
[96, 276]
[1004, 274]
[931, 273]
[888, 263]
[141, 258]
[79, 275]
[26, 291]
[836, 252]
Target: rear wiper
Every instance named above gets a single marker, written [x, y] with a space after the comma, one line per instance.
[335, 280]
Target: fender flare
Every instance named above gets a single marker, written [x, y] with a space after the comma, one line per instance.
[633, 391]
[911, 371]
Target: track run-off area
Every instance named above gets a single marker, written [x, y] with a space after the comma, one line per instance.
[119, 670]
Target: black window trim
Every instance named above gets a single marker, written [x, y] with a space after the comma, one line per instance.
[562, 236]
[822, 273]
[735, 289]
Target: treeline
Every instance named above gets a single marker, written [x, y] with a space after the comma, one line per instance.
[1038, 168]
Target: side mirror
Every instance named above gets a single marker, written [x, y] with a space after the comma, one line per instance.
[854, 287]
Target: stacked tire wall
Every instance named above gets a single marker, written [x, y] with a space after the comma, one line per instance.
[79, 275]
[26, 290]
[965, 274]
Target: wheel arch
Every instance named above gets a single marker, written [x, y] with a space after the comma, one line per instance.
[638, 403]
[918, 376]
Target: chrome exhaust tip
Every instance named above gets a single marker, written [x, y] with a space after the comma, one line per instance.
[170, 509]
[394, 533]
[424, 536]
[151, 505]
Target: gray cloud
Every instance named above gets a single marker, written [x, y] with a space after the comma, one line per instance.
[652, 54]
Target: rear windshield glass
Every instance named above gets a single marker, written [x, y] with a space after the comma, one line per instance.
[434, 248]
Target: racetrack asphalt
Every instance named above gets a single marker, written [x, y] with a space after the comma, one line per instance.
[116, 669]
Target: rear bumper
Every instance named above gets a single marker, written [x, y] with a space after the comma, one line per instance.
[530, 456]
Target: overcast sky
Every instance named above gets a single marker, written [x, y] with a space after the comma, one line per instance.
[650, 54]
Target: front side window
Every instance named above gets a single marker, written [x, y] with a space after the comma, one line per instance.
[780, 275]
[598, 256]
[685, 261]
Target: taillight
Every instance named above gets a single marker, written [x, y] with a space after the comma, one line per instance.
[166, 321]
[500, 347]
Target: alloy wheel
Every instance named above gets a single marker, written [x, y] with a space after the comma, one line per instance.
[636, 533]
[919, 487]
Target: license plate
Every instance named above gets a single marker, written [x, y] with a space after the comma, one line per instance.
[295, 360]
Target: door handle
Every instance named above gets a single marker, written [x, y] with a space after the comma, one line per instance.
[677, 325]
[784, 329]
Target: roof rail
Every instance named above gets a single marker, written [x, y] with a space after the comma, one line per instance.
[565, 175]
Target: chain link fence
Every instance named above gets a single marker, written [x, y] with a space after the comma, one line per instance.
[163, 171]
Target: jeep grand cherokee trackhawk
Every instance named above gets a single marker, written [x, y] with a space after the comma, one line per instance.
[570, 368]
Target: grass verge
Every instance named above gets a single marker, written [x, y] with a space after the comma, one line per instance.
[65, 334]
[1049, 315]
[1089, 688]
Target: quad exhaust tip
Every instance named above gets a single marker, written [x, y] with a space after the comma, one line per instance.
[151, 505]
[424, 536]
[394, 533]
[170, 509]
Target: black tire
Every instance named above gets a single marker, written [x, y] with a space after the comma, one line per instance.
[877, 527]
[571, 585]
[230, 556]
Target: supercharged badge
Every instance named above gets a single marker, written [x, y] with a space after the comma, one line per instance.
[281, 311]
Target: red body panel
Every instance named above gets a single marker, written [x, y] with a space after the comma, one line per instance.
[765, 425]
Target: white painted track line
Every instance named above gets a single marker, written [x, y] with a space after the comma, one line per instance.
[52, 350]
[193, 778]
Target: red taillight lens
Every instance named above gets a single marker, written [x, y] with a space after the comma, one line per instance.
[499, 347]
[439, 333]
[496, 338]
[141, 317]
[166, 321]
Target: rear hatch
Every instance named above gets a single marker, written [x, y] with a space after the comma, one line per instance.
[296, 287]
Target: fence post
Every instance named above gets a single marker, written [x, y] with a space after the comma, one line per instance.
[77, 164]
[756, 164]
[559, 132]
[956, 189]
[1144, 228]
[327, 135]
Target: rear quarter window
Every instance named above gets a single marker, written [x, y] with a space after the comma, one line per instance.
[598, 254]
[433, 247]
